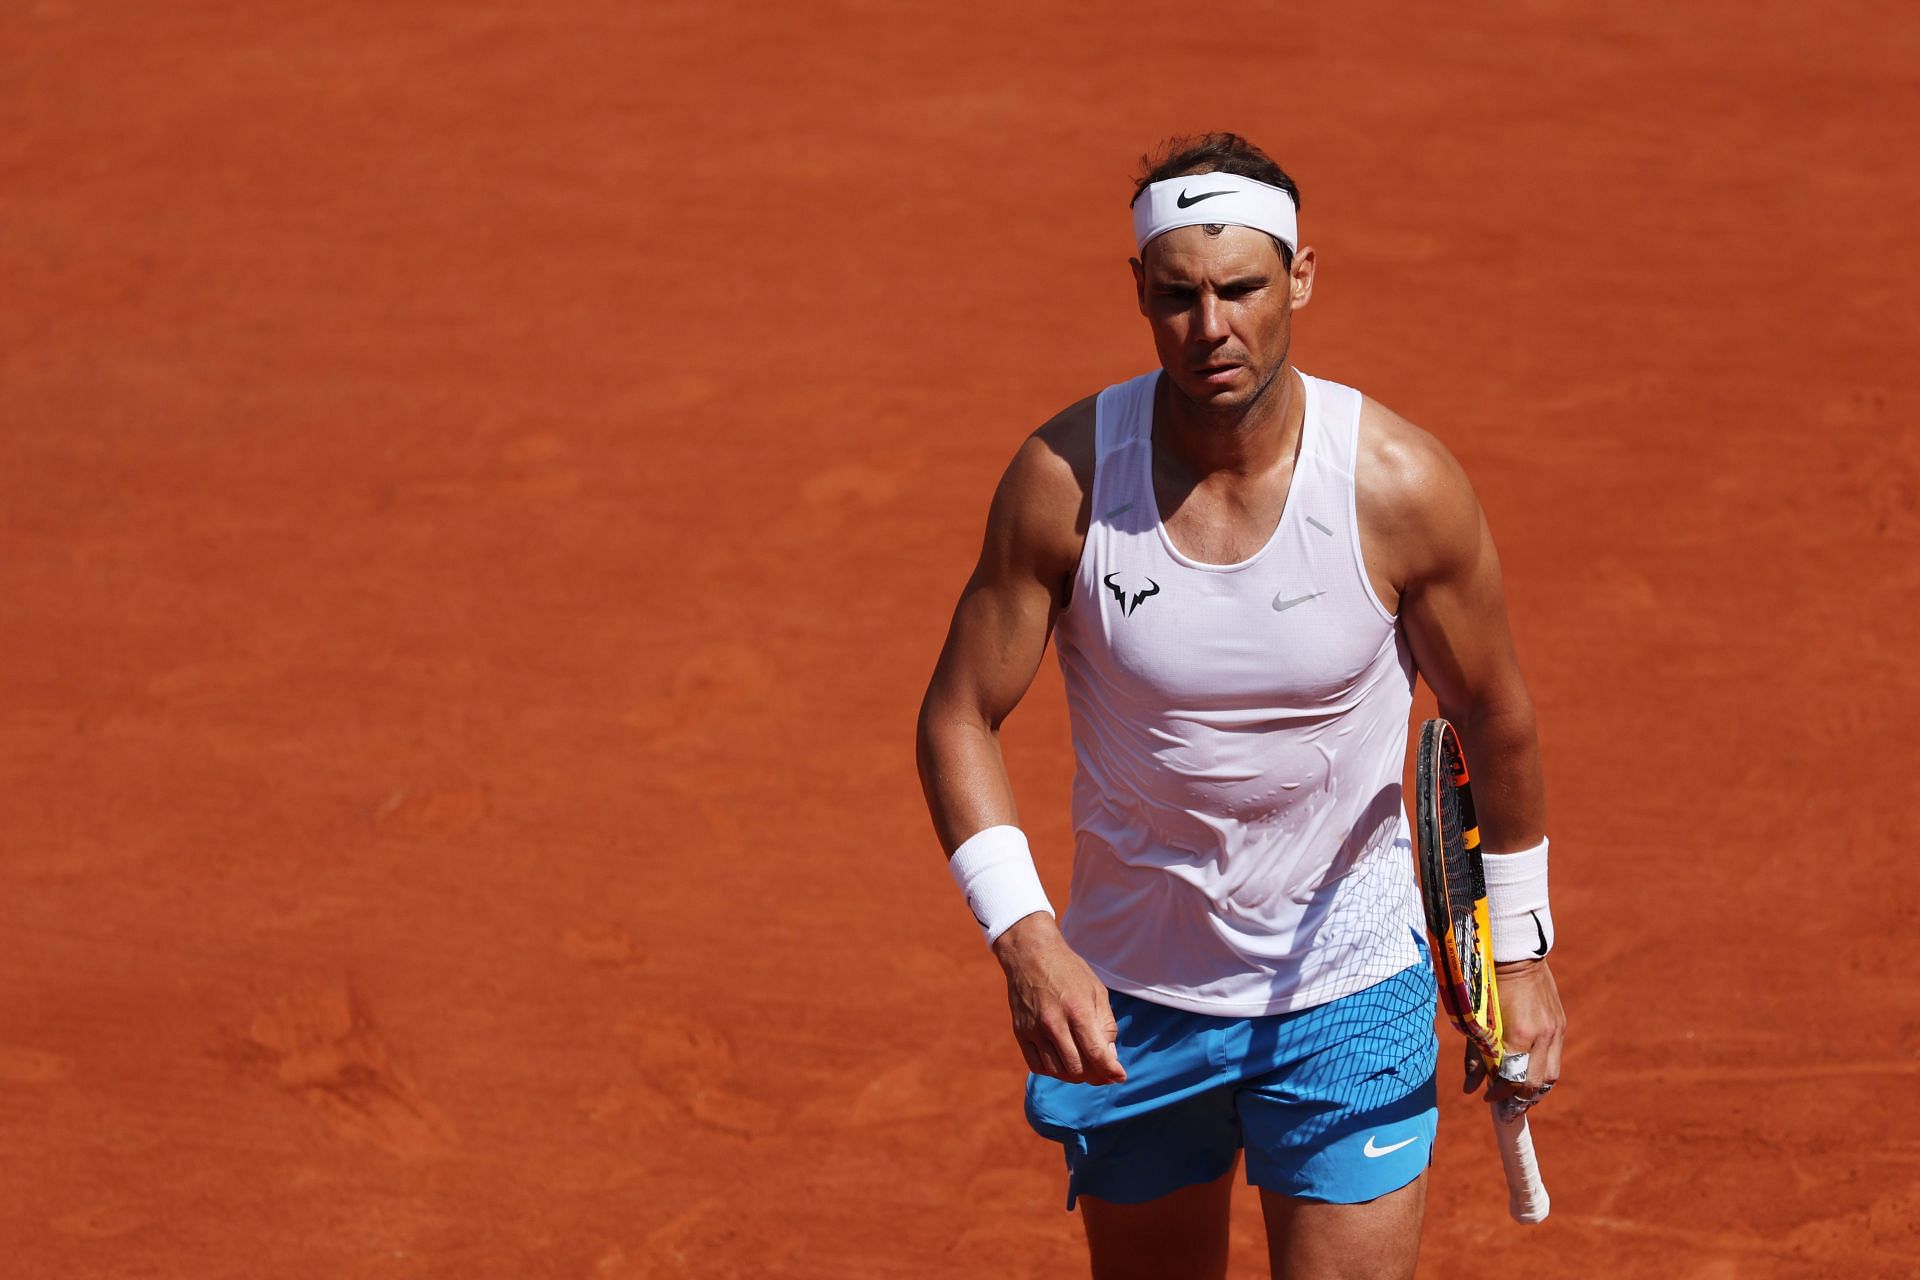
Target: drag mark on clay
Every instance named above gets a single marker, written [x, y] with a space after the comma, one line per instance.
[672, 1242]
[718, 683]
[1020, 1249]
[677, 1048]
[431, 813]
[1806, 1243]
[601, 943]
[326, 1050]
[689, 1062]
[1771, 1072]
[668, 1245]
[703, 1239]
[19, 1065]
[852, 485]
[907, 1091]
[99, 1222]
[634, 1108]
[533, 466]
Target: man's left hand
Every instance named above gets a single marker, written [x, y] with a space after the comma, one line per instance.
[1531, 1022]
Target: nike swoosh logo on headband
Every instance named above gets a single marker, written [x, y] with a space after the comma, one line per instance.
[1186, 200]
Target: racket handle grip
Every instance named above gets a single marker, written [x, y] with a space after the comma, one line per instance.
[1527, 1197]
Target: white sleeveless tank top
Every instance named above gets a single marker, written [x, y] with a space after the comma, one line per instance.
[1241, 844]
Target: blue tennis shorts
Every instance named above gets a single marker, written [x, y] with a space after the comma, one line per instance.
[1333, 1103]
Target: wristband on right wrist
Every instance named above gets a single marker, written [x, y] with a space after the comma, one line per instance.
[1517, 904]
[994, 868]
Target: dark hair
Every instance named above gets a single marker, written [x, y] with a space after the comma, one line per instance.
[1218, 152]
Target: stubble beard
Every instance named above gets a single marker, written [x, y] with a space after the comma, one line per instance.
[1228, 417]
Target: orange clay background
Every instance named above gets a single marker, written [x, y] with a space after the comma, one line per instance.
[484, 486]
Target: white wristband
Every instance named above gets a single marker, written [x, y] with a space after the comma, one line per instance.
[1517, 904]
[994, 868]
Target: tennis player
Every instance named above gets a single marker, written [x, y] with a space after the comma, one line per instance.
[1244, 568]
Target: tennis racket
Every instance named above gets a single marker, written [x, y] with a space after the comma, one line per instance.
[1453, 886]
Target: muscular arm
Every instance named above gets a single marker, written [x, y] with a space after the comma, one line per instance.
[1423, 522]
[1454, 613]
[999, 632]
[1035, 530]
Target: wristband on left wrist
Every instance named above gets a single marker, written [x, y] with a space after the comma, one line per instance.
[1517, 904]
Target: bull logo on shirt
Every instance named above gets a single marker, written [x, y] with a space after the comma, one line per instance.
[1129, 603]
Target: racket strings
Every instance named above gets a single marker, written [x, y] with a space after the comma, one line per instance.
[1454, 885]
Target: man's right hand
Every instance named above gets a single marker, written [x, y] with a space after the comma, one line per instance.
[1061, 1016]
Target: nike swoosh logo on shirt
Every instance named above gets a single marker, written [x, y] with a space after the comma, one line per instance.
[1373, 1153]
[1281, 606]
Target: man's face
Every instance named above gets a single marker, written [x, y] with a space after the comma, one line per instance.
[1221, 310]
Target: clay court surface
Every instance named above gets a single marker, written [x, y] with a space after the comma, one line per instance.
[484, 486]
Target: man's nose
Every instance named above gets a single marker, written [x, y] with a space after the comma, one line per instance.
[1209, 323]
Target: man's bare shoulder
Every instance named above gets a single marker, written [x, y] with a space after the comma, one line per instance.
[1056, 461]
[1412, 496]
[1049, 484]
[1043, 499]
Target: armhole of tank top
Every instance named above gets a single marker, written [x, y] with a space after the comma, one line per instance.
[1103, 430]
[1352, 461]
[1113, 419]
[1103, 416]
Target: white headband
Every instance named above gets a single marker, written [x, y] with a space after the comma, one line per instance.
[1205, 198]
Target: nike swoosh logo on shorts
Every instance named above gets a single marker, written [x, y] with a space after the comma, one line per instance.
[1185, 200]
[1373, 1153]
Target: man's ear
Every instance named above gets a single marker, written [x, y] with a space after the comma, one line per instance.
[1300, 279]
[1139, 283]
